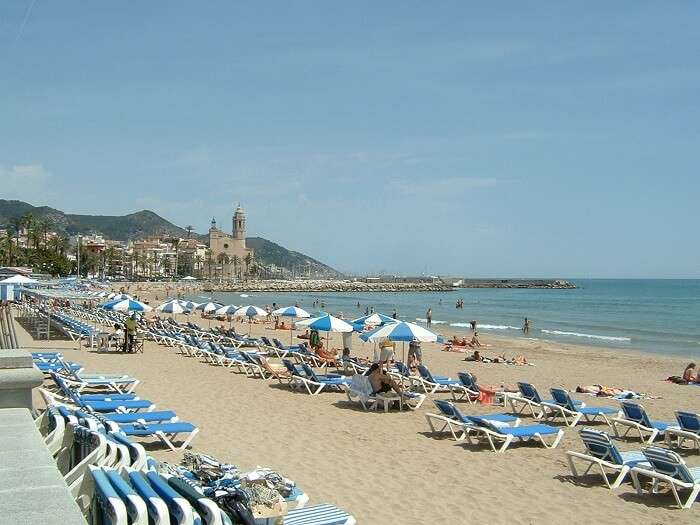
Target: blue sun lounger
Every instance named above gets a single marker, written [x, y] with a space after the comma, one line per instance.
[688, 429]
[458, 424]
[432, 384]
[669, 468]
[602, 451]
[572, 413]
[635, 418]
[493, 433]
[321, 381]
[529, 398]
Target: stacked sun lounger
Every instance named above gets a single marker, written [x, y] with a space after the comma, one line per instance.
[114, 481]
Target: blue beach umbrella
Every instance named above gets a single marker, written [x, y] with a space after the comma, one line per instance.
[126, 305]
[373, 320]
[188, 305]
[171, 307]
[249, 311]
[325, 323]
[402, 331]
[208, 307]
[227, 310]
[292, 311]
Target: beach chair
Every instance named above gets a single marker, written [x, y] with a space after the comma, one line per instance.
[104, 504]
[635, 418]
[571, 412]
[402, 374]
[506, 434]
[688, 429]
[360, 388]
[432, 384]
[323, 514]
[668, 468]
[119, 383]
[465, 389]
[458, 424]
[105, 404]
[528, 399]
[315, 383]
[602, 451]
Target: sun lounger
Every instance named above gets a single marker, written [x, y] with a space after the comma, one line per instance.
[667, 467]
[166, 432]
[432, 384]
[635, 418]
[321, 381]
[529, 398]
[103, 405]
[602, 451]
[360, 388]
[571, 412]
[323, 514]
[507, 435]
[465, 389]
[458, 424]
[688, 429]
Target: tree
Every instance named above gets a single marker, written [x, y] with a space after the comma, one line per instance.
[209, 256]
[236, 260]
[198, 262]
[248, 259]
[189, 229]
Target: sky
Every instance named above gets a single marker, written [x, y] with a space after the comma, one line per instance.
[514, 139]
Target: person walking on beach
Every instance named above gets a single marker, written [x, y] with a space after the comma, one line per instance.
[130, 328]
[526, 326]
[429, 317]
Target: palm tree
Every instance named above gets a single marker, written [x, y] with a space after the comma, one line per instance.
[209, 254]
[198, 262]
[248, 259]
[236, 260]
[227, 265]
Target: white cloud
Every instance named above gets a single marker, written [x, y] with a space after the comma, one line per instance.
[25, 182]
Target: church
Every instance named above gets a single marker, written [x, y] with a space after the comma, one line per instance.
[224, 246]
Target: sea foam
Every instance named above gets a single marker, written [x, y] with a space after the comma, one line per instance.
[589, 336]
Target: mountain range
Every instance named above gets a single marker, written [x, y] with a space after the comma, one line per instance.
[147, 223]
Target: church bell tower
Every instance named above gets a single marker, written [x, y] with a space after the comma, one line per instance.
[239, 223]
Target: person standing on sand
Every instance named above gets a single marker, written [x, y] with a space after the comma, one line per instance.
[526, 326]
[429, 317]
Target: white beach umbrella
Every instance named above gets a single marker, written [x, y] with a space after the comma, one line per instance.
[401, 331]
[126, 305]
[208, 307]
[171, 307]
[294, 312]
[249, 311]
[227, 310]
[325, 323]
[18, 279]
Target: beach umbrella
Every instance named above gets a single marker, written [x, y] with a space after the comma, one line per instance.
[171, 307]
[188, 305]
[325, 323]
[208, 307]
[227, 310]
[249, 311]
[401, 331]
[126, 305]
[373, 320]
[295, 312]
[18, 279]
[119, 297]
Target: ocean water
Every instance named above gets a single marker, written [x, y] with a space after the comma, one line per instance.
[654, 315]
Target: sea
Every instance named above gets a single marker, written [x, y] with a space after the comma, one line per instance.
[652, 315]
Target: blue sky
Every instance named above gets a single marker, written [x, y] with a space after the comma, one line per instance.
[519, 139]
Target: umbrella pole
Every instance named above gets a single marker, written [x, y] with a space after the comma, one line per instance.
[291, 332]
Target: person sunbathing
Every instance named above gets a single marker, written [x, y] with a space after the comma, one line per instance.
[329, 357]
[305, 335]
[277, 371]
[475, 340]
[381, 382]
[476, 356]
[282, 326]
[599, 390]
[689, 374]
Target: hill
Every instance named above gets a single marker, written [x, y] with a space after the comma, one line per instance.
[145, 223]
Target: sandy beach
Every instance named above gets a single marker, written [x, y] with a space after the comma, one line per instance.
[388, 467]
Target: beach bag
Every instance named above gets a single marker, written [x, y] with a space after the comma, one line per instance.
[236, 506]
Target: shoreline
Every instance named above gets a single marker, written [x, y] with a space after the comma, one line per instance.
[227, 406]
[155, 293]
